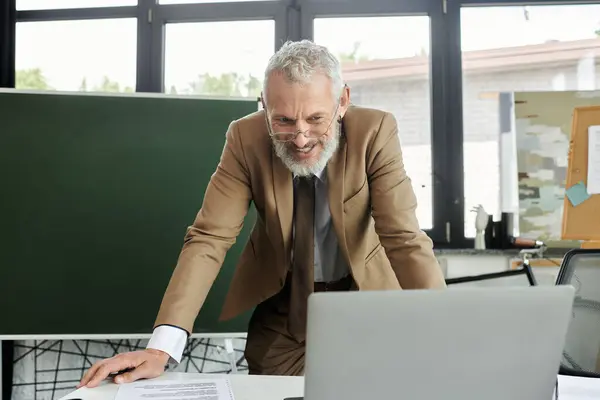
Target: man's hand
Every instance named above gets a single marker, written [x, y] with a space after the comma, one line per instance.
[147, 363]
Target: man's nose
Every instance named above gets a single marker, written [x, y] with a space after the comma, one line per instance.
[300, 141]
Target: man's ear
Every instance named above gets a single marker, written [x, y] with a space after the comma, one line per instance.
[262, 101]
[344, 100]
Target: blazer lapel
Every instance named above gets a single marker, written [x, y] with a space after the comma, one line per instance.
[284, 200]
[335, 179]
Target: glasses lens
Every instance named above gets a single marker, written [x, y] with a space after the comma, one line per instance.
[314, 132]
[317, 131]
[283, 136]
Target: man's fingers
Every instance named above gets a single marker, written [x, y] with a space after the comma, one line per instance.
[87, 376]
[101, 374]
[113, 366]
[142, 364]
[144, 370]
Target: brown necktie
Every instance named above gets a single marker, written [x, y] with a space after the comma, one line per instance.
[302, 278]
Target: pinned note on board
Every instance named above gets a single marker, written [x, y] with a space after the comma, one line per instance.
[577, 193]
[593, 177]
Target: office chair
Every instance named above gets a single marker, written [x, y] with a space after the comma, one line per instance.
[581, 355]
[499, 278]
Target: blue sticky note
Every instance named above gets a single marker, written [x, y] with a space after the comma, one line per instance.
[577, 193]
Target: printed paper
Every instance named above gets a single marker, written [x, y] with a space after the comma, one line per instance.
[199, 389]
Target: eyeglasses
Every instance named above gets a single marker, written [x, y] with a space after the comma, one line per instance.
[285, 134]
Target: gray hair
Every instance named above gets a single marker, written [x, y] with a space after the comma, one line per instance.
[299, 61]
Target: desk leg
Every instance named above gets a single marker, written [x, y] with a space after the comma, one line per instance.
[7, 349]
[231, 353]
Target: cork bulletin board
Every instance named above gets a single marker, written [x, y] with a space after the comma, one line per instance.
[581, 211]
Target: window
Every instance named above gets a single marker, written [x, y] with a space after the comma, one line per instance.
[224, 59]
[88, 55]
[56, 4]
[504, 49]
[386, 65]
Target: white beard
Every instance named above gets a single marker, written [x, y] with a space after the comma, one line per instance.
[302, 169]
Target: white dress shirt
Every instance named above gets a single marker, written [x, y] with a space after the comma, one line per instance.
[329, 266]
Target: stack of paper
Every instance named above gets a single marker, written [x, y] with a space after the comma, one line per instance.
[575, 388]
[198, 389]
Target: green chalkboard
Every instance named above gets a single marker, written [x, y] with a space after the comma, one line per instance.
[96, 195]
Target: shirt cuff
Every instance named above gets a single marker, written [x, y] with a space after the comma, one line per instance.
[170, 339]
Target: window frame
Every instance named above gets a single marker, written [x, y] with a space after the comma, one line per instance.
[454, 90]
[440, 231]
[8, 16]
[209, 12]
[92, 13]
[69, 14]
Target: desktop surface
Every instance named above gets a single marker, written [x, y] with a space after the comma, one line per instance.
[247, 387]
[244, 387]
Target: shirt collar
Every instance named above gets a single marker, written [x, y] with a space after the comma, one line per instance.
[321, 175]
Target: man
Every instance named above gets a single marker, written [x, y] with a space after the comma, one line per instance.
[336, 211]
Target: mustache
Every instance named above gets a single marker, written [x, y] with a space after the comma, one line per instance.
[308, 145]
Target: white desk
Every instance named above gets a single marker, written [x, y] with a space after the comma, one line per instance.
[245, 387]
[253, 387]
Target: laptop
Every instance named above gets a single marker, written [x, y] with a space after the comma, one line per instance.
[465, 343]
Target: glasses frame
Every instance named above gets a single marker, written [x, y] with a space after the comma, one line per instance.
[295, 134]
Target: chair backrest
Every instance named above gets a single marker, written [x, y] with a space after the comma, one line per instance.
[522, 276]
[581, 356]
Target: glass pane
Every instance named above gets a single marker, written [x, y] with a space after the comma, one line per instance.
[61, 4]
[89, 55]
[218, 58]
[386, 65]
[536, 48]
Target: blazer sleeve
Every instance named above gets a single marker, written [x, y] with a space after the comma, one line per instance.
[214, 231]
[394, 205]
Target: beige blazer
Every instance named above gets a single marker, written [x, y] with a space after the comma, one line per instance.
[372, 206]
